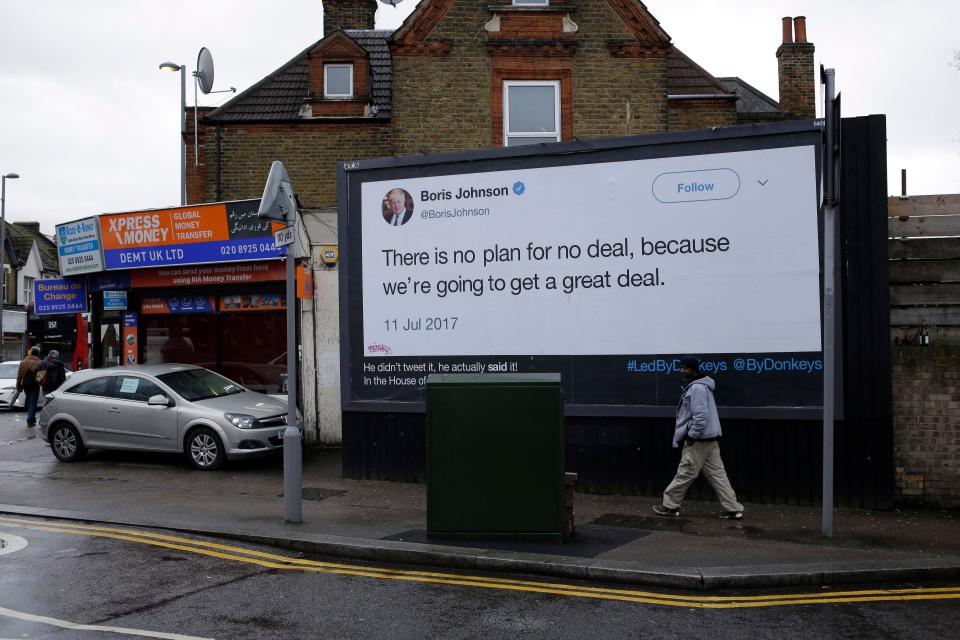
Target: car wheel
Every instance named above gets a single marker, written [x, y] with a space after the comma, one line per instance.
[66, 443]
[204, 450]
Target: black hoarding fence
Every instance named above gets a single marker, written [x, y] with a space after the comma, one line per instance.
[864, 444]
[770, 458]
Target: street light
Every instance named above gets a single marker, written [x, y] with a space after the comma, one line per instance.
[3, 248]
[173, 66]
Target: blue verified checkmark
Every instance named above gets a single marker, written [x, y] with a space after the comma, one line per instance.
[519, 188]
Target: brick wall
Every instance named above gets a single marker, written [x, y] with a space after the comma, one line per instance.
[604, 85]
[926, 415]
[443, 102]
[607, 96]
[310, 153]
[701, 114]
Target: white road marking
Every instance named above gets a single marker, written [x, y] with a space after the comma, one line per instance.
[11, 543]
[29, 617]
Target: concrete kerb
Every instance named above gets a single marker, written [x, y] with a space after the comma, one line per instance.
[583, 569]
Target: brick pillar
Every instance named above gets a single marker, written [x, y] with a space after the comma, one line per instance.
[798, 94]
[348, 14]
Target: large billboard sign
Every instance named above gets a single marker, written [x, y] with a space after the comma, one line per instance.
[606, 265]
[200, 234]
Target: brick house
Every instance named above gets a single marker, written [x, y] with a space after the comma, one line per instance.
[460, 75]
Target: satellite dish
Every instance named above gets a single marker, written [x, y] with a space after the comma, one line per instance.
[204, 71]
[392, 3]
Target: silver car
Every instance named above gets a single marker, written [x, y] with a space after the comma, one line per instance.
[164, 407]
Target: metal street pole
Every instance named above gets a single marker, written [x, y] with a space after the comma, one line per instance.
[173, 66]
[183, 135]
[279, 203]
[292, 445]
[3, 249]
[829, 303]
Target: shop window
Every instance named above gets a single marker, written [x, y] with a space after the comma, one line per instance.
[183, 339]
[531, 112]
[254, 350]
[338, 81]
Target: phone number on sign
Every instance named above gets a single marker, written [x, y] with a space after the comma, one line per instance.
[245, 249]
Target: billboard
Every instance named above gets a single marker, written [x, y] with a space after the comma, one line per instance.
[199, 234]
[78, 247]
[605, 262]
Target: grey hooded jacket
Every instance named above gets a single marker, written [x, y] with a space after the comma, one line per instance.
[697, 417]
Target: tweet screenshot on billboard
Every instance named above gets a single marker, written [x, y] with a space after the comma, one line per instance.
[606, 272]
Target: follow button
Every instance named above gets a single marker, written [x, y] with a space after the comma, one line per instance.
[696, 186]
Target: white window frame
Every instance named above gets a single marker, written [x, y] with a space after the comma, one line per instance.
[28, 289]
[507, 134]
[531, 3]
[326, 92]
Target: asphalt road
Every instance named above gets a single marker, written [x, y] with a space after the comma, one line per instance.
[167, 585]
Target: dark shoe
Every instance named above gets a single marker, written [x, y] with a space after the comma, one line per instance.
[731, 515]
[661, 510]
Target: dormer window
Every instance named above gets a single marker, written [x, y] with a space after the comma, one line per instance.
[338, 81]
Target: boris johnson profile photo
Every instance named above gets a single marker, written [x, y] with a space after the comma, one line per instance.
[397, 207]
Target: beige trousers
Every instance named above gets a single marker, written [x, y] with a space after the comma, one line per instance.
[701, 457]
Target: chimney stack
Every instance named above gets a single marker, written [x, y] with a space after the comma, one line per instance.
[795, 71]
[348, 14]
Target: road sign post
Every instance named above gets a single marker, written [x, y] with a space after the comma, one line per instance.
[279, 203]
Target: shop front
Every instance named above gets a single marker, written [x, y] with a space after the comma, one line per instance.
[202, 284]
[228, 317]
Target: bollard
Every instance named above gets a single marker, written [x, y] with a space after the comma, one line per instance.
[292, 474]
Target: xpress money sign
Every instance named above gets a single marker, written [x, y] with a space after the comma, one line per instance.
[186, 235]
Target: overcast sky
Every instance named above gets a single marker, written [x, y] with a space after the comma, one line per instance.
[91, 124]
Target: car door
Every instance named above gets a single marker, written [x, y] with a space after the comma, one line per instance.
[134, 424]
[85, 403]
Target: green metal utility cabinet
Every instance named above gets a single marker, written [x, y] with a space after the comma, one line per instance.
[495, 456]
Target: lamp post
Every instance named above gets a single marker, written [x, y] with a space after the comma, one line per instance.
[173, 66]
[3, 248]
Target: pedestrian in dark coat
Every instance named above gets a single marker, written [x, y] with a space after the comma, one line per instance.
[53, 373]
[27, 384]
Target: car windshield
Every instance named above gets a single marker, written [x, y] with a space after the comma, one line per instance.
[200, 384]
[8, 370]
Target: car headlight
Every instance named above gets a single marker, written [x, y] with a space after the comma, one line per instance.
[242, 420]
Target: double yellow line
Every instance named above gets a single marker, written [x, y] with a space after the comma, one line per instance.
[274, 561]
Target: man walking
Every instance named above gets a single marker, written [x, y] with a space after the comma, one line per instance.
[698, 428]
[53, 373]
[27, 384]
